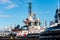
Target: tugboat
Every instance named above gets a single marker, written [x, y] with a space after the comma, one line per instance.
[31, 29]
[52, 33]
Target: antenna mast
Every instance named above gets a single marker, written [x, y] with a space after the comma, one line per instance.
[30, 7]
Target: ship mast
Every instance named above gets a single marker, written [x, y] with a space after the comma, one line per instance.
[30, 7]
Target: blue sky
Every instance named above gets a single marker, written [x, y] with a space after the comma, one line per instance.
[15, 11]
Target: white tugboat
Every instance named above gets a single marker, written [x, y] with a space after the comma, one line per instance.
[32, 25]
[31, 29]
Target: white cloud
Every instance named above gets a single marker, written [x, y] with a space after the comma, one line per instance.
[4, 16]
[4, 1]
[8, 4]
[11, 6]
